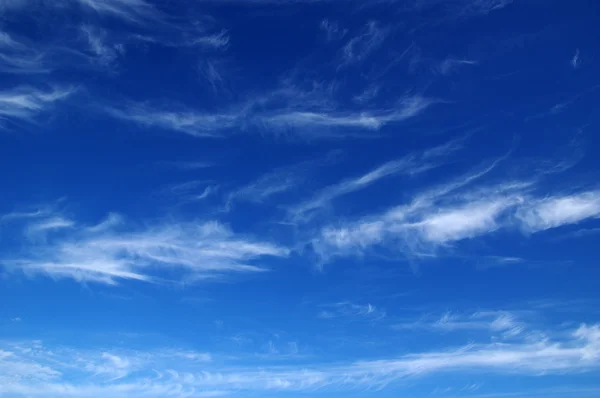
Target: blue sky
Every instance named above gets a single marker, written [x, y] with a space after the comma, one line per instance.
[292, 198]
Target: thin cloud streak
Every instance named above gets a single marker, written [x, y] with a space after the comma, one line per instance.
[495, 322]
[134, 11]
[111, 251]
[441, 216]
[350, 310]
[42, 374]
[412, 164]
[17, 57]
[254, 114]
[450, 65]
[554, 212]
[575, 61]
[359, 47]
[25, 103]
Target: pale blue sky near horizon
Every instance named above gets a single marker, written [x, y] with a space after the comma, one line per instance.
[292, 198]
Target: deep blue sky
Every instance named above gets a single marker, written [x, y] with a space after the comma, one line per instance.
[263, 198]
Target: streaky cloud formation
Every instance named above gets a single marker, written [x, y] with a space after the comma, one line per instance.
[299, 119]
[345, 309]
[285, 198]
[556, 211]
[157, 373]
[452, 64]
[442, 216]
[360, 46]
[410, 165]
[135, 11]
[109, 251]
[503, 322]
[25, 103]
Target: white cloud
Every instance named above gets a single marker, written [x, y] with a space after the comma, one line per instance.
[439, 217]
[482, 7]
[278, 181]
[210, 71]
[332, 30]
[423, 223]
[371, 120]
[25, 103]
[217, 41]
[45, 372]
[359, 47]
[463, 222]
[198, 124]
[19, 57]
[452, 64]
[347, 309]
[409, 165]
[575, 61]
[367, 95]
[104, 54]
[286, 110]
[112, 250]
[51, 223]
[553, 212]
[502, 323]
[135, 11]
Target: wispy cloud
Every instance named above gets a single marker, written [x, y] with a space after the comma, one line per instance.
[332, 30]
[409, 165]
[553, 212]
[503, 323]
[25, 103]
[181, 119]
[350, 310]
[40, 372]
[218, 40]
[210, 70]
[449, 213]
[360, 46]
[104, 54]
[113, 251]
[575, 61]
[481, 7]
[134, 11]
[370, 120]
[450, 65]
[20, 57]
[49, 224]
[367, 95]
[290, 115]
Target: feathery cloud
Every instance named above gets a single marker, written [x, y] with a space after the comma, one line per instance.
[289, 115]
[504, 323]
[112, 251]
[332, 30]
[408, 165]
[450, 213]
[104, 54]
[575, 61]
[25, 103]
[359, 47]
[452, 64]
[134, 11]
[346, 309]
[19, 57]
[40, 372]
[553, 212]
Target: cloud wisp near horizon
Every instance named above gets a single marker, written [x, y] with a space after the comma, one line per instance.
[295, 198]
